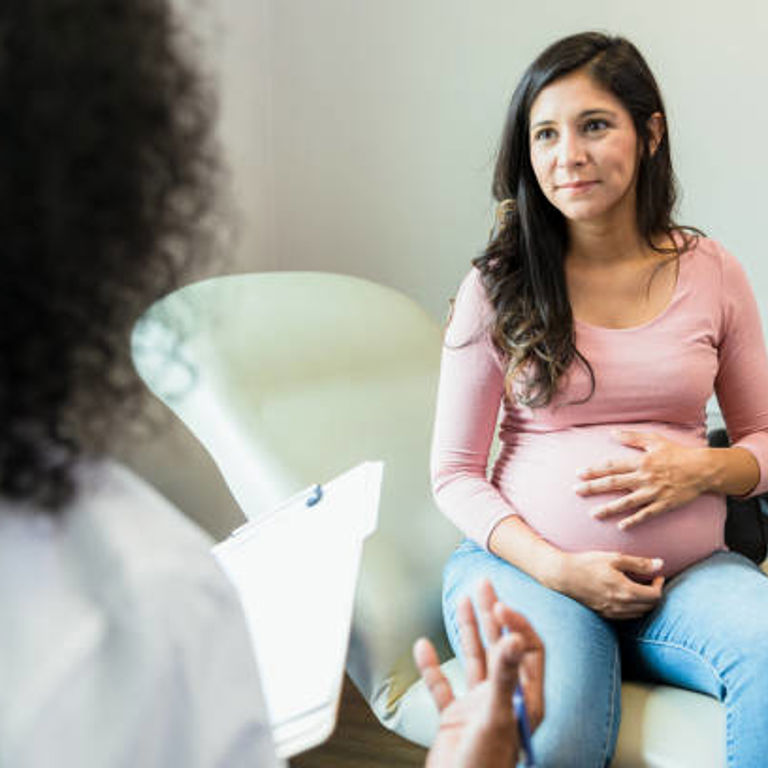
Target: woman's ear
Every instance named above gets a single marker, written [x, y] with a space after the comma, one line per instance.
[656, 128]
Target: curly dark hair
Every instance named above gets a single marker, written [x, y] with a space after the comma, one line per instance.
[523, 265]
[108, 176]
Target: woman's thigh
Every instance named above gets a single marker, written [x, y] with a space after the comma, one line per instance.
[710, 634]
[582, 675]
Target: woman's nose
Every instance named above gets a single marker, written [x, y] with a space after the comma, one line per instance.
[571, 151]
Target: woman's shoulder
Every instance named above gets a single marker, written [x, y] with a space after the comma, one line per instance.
[711, 263]
[472, 287]
[703, 249]
[718, 278]
[471, 311]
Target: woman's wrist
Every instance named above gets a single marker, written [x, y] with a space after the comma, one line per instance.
[516, 542]
[554, 570]
[730, 471]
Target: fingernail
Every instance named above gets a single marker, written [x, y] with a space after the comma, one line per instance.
[596, 512]
[580, 487]
[657, 562]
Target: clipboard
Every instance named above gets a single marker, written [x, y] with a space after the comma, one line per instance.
[295, 570]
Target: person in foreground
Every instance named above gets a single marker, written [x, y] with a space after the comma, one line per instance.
[122, 644]
[479, 730]
[601, 328]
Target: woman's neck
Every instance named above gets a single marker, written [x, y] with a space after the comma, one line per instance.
[601, 242]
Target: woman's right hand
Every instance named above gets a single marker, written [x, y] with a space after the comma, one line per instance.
[607, 582]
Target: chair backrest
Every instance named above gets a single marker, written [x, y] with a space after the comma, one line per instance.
[289, 378]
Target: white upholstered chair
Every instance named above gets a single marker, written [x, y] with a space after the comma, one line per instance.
[288, 378]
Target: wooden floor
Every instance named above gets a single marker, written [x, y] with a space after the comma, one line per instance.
[359, 741]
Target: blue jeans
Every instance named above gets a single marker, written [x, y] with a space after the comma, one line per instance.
[709, 633]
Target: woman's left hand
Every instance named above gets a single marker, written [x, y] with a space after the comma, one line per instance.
[664, 476]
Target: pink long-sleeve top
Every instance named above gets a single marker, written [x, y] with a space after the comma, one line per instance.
[653, 377]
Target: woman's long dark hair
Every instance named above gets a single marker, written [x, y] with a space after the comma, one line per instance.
[523, 265]
[107, 184]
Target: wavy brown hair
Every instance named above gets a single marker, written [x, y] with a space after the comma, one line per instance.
[107, 183]
[523, 265]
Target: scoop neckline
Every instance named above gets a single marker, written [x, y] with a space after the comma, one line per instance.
[655, 319]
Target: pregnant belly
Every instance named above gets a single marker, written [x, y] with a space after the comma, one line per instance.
[538, 476]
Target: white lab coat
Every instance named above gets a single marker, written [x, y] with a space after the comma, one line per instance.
[121, 642]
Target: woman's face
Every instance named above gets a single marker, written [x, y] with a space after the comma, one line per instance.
[584, 149]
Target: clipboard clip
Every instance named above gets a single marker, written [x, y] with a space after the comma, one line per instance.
[314, 496]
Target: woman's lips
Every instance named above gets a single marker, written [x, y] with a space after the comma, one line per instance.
[576, 186]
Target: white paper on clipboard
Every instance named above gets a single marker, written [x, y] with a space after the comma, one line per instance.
[295, 570]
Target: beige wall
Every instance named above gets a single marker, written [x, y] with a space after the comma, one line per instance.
[383, 117]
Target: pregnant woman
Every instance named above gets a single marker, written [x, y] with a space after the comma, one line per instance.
[596, 329]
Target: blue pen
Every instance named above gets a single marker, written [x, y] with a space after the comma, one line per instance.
[523, 723]
[523, 726]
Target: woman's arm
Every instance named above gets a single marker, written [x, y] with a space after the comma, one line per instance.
[516, 542]
[468, 400]
[731, 471]
[741, 386]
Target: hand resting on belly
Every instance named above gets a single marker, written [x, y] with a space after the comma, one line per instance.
[540, 474]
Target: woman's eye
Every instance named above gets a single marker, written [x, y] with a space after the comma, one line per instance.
[543, 134]
[595, 124]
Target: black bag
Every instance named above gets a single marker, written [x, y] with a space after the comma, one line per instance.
[746, 527]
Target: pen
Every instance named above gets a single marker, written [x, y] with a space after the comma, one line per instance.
[523, 726]
[523, 723]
